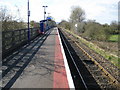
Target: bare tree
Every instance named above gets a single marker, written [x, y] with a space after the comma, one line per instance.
[10, 22]
[114, 27]
[77, 14]
[76, 18]
[4, 16]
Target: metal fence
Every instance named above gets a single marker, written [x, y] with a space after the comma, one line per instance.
[12, 40]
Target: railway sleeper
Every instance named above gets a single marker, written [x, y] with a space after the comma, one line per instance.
[87, 77]
[93, 64]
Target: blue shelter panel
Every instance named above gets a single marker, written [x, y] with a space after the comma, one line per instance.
[41, 26]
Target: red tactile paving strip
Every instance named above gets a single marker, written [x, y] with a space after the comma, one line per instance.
[59, 76]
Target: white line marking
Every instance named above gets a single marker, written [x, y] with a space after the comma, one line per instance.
[69, 77]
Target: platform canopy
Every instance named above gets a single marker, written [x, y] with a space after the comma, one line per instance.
[49, 18]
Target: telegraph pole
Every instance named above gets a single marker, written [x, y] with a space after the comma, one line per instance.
[44, 11]
[28, 23]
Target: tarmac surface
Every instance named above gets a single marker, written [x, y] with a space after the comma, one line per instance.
[47, 68]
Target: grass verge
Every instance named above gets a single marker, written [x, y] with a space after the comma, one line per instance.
[113, 38]
[113, 58]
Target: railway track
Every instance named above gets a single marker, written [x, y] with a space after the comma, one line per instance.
[105, 65]
[94, 65]
[81, 76]
[13, 66]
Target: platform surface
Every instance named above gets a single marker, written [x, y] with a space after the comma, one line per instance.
[47, 68]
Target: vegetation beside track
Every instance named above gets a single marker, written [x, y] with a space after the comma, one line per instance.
[113, 58]
[114, 38]
[101, 38]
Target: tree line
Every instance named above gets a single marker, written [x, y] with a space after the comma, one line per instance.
[10, 22]
[89, 29]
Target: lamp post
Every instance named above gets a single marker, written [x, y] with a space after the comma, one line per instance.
[44, 11]
[28, 23]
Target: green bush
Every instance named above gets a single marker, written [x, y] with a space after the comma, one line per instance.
[94, 31]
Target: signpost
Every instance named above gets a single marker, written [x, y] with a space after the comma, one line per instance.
[28, 23]
[76, 26]
[44, 11]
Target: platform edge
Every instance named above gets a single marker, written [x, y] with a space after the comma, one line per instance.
[69, 77]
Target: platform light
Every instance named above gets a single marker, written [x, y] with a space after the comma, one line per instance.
[44, 11]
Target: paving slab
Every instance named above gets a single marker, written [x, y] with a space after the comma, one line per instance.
[46, 69]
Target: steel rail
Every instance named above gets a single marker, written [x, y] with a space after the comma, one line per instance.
[74, 63]
[114, 80]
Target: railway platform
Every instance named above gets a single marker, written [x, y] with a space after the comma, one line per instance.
[43, 63]
[48, 68]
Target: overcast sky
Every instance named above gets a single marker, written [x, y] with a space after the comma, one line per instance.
[103, 11]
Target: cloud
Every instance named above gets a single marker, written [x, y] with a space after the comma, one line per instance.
[103, 11]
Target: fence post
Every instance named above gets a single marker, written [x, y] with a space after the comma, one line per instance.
[31, 33]
[20, 35]
[13, 38]
[3, 41]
